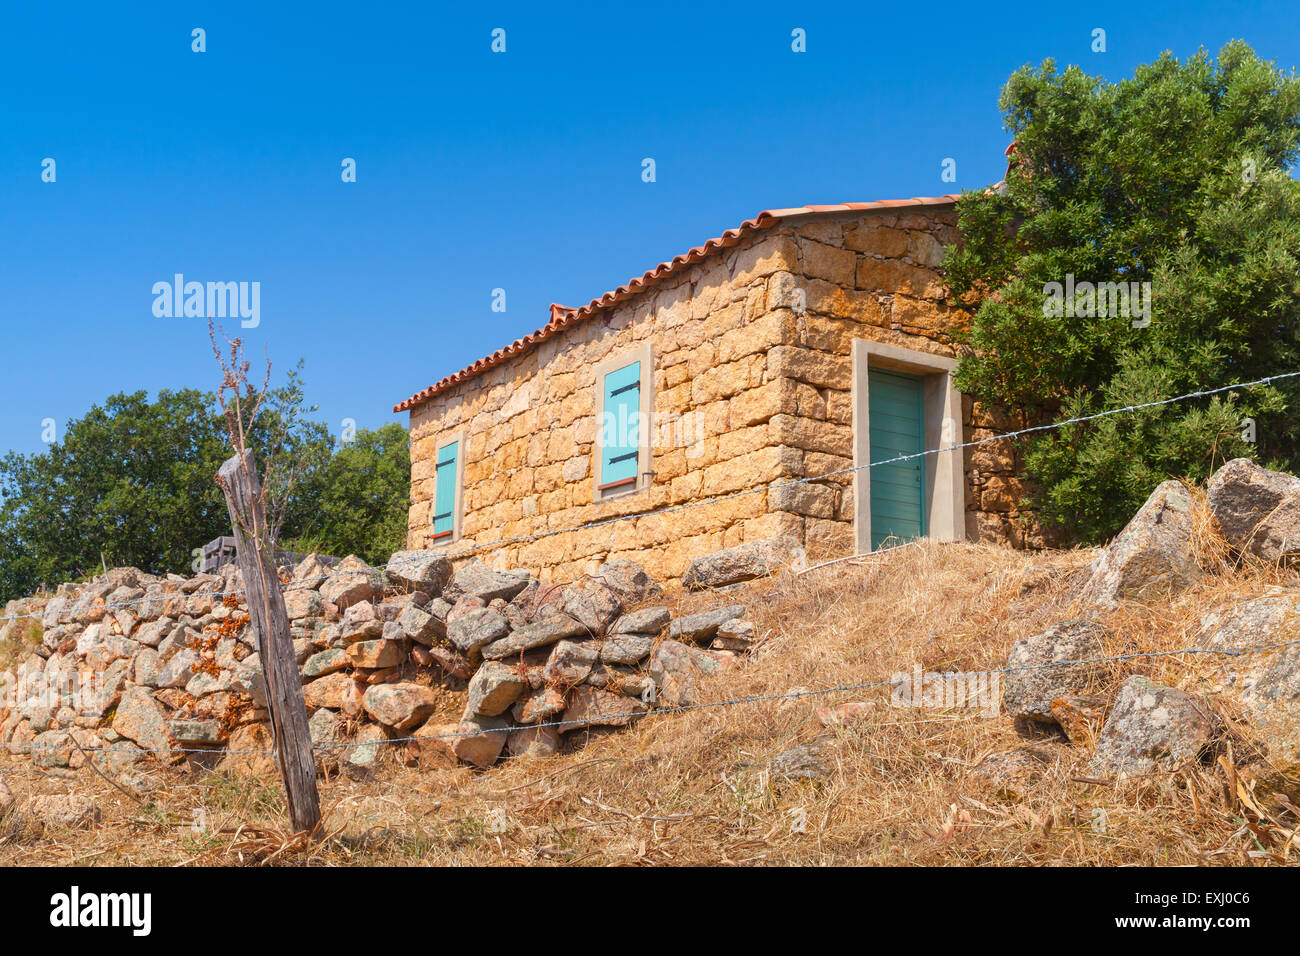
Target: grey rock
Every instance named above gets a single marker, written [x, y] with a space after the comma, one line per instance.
[1258, 509]
[677, 671]
[478, 580]
[361, 622]
[303, 603]
[1152, 557]
[590, 707]
[626, 648]
[546, 631]
[704, 625]
[570, 662]
[476, 630]
[648, 620]
[629, 581]
[592, 603]
[178, 671]
[399, 706]
[744, 562]
[326, 662]
[1153, 728]
[140, 719]
[533, 742]
[362, 760]
[421, 626]
[425, 571]
[1038, 673]
[1266, 683]
[196, 732]
[353, 581]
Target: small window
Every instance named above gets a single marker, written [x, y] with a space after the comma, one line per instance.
[447, 492]
[622, 455]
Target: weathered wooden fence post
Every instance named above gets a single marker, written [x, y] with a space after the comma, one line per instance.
[238, 479]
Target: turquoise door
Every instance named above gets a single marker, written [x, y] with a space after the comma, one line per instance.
[897, 428]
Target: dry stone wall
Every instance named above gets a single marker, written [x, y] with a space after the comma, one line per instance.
[751, 384]
[478, 664]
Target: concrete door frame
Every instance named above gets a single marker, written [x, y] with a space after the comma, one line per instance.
[944, 496]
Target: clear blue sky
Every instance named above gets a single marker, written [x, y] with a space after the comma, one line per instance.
[474, 170]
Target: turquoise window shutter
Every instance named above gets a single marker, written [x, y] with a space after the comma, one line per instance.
[620, 445]
[444, 494]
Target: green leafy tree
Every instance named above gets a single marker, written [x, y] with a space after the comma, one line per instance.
[1176, 176]
[131, 483]
[359, 503]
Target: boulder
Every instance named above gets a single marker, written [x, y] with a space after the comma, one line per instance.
[377, 654]
[452, 661]
[570, 662]
[195, 733]
[626, 648]
[302, 603]
[1039, 672]
[399, 706]
[810, 761]
[421, 626]
[1266, 683]
[677, 671]
[589, 707]
[477, 629]
[1153, 728]
[250, 752]
[362, 759]
[648, 620]
[734, 635]
[1258, 509]
[533, 742]
[1024, 764]
[546, 631]
[433, 745]
[629, 581]
[327, 734]
[327, 691]
[426, 571]
[361, 622]
[480, 740]
[326, 662]
[592, 603]
[704, 625]
[1152, 557]
[6, 798]
[493, 689]
[540, 705]
[63, 811]
[309, 574]
[353, 581]
[744, 562]
[478, 580]
[139, 718]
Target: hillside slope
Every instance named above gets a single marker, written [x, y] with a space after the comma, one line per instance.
[777, 779]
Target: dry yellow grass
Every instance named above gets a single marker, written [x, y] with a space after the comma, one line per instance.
[694, 787]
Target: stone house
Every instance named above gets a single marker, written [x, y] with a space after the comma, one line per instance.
[807, 341]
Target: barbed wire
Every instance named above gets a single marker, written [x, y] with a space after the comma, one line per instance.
[672, 509]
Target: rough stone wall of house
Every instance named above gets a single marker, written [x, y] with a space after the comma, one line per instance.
[751, 385]
[875, 276]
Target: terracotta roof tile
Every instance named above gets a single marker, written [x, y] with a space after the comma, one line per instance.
[563, 316]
